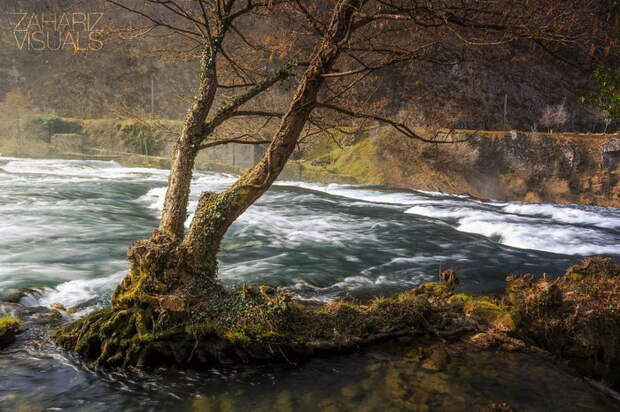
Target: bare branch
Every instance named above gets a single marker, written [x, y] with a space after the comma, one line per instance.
[234, 140]
[413, 55]
[235, 86]
[256, 113]
[401, 127]
[177, 29]
[228, 110]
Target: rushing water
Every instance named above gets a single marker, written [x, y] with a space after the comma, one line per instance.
[65, 227]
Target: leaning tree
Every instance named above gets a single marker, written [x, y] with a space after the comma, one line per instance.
[170, 306]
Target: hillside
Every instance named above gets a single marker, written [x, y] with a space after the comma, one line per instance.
[498, 88]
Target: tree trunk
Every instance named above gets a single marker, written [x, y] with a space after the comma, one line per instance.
[157, 269]
[170, 304]
[185, 151]
[216, 212]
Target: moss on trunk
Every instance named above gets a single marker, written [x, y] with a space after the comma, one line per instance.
[248, 325]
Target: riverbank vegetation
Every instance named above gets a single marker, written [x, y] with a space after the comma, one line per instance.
[568, 167]
[575, 317]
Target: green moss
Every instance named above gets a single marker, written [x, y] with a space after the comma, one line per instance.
[312, 173]
[576, 276]
[351, 160]
[483, 310]
[355, 161]
[258, 322]
[381, 302]
[432, 288]
[486, 312]
[237, 337]
[9, 326]
[461, 298]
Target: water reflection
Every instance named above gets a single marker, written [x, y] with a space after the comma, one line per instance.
[390, 377]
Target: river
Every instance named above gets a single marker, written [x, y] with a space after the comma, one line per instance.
[65, 226]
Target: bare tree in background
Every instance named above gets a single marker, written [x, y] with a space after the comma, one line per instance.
[554, 116]
[335, 54]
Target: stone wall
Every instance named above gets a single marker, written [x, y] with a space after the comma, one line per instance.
[238, 155]
[67, 143]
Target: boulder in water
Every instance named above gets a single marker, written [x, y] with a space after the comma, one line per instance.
[58, 306]
[16, 295]
[9, 327]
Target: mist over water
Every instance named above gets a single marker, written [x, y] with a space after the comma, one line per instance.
[66, 225]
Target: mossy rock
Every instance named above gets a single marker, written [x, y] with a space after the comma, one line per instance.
[576, 317]
[9, 326]
[461, 298]
[16, 295]
[594, 266]
[486, 312]
[433, 289]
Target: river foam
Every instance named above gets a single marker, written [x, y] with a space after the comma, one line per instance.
[66, 225]
[564, 229]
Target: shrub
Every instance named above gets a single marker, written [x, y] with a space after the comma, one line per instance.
[45, 125]
[141, 138]
[554, 116]
[606, 96]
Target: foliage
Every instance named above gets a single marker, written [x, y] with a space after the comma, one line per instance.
[141, 138]
[53, 124]
[607, 95]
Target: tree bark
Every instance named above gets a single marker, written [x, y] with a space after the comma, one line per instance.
[185, 150]
[216, 212]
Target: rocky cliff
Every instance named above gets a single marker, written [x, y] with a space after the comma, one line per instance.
[534, 167]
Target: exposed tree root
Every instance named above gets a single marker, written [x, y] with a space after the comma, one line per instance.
[576, 317]
[247, 326]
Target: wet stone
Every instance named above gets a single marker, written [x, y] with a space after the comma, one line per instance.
[31, 316]
[437, 360]
[16, 295]
[9, 327]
